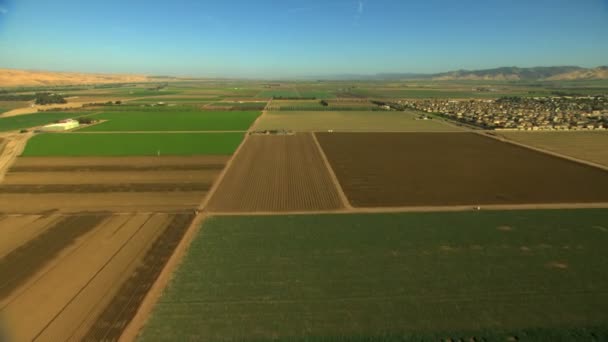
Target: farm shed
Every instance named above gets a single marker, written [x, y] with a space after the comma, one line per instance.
[63, 125]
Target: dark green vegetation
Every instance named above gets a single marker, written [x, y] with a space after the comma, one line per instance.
[173, 120]
[528, 275]
[48, 98]
[132, 144]
[33, 120]
[43, 98]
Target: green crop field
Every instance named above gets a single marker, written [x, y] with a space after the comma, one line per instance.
[336, 277]
[33, 120]
[319, 94]
[370, 121]
[132, 144]
[167, 120]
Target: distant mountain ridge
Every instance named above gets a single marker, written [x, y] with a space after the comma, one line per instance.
[553, 73]
[556, 73]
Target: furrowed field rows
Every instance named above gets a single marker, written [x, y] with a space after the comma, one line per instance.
[468, 276]
[35, 185]
[276, 173]
[442, 169]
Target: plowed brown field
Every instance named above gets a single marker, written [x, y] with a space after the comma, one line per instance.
[277, 173]
[440, 169]
[58, 284]
[35, 185]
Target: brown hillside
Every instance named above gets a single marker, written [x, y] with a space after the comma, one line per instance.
[12, 78]
[600, 73]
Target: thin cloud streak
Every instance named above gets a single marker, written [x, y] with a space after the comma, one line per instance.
[3, 10]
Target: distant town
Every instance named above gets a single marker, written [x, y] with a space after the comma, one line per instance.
[521, 113]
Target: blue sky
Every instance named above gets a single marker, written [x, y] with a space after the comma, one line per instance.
[287, 38]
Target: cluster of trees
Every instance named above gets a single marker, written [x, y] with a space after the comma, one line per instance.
[85, 120]
[160, 86]
[16, 97]
[49, 98]
[96, 104]
[41, 98]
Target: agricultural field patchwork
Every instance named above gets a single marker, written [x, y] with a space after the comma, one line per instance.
[440, 169]
[495, 275]
[284, 93]
[350, 121]
[170, 120]
[132, 144]
[589, 146]
[276, 173]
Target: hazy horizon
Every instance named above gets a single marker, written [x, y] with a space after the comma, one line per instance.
[243, 39]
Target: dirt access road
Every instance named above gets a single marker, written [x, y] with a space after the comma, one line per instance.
[13, 147]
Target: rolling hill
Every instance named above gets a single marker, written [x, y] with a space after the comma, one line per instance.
[13, 78]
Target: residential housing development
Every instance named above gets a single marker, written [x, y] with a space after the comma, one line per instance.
[520, 113]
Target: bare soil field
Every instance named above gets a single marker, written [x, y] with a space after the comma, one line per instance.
[121, 163]
[34, 185]
[436, 169]
[276, 173]
[91, 202]
[110, 177]
[590, 146]
[350, 121]
[56, 253]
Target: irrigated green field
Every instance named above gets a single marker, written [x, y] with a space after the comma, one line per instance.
[372, 121]
[33, 120]
[167, 120]
[494, 275]
[319, 94]
[132, 144]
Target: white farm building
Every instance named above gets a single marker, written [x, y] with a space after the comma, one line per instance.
[60, 126]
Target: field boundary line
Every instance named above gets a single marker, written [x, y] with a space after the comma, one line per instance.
[147, 305]
[542, 150]
[332, 174]
[144, 132]
[421, 209]
[222, 174]
[255, 122]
